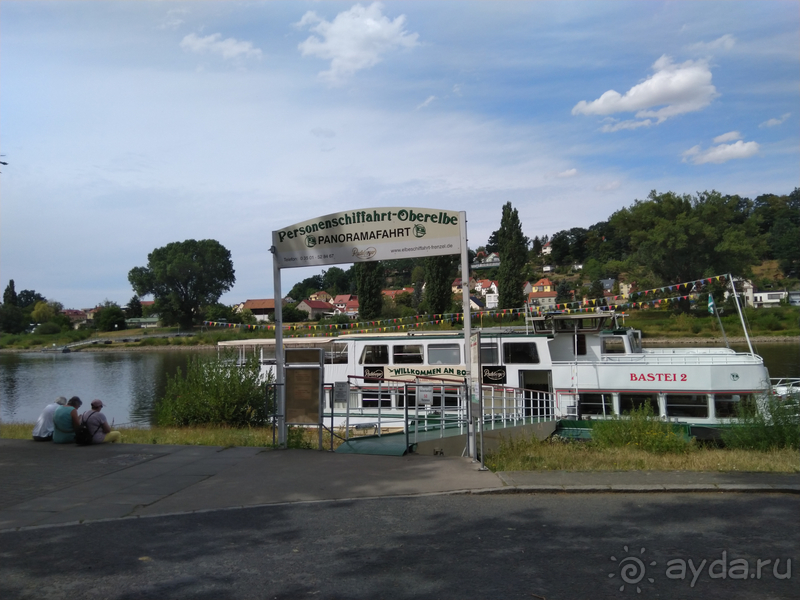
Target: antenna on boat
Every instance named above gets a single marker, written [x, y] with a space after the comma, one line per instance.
[741, 316]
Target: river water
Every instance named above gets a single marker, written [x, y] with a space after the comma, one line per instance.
[129, 383]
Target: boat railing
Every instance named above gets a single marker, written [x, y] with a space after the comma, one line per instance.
[678, 359]
[429, 405]
[785, 386]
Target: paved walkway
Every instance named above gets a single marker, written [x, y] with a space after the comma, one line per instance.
[45, 484]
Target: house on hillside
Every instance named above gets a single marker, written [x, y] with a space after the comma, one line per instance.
[485, 286]
[547, 249]
[476, 303]
[316, 308]
[349, 308]
[543, 285]
[341, 300]
[769, 299]
[76, 317]
[321, 295]
[263, 310]
[543, 299]
[394, 293]
[456, 285]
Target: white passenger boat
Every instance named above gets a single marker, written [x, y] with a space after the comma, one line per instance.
[561, 366]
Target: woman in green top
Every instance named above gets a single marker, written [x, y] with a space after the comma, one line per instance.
[66, 421]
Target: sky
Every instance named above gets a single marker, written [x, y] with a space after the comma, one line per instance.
[130, 125]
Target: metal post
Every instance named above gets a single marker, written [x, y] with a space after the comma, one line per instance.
[405, 405]
[472, 442]
[280, 362]
[741, 317]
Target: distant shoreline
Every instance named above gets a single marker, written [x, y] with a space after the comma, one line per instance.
[646, 341]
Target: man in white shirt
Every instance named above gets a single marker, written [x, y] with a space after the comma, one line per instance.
[43, 432]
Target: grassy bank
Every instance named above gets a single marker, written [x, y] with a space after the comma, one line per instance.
[516, 455]
[555, 455]
[225, 437]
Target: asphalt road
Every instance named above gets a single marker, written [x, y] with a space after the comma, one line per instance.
[553, 546]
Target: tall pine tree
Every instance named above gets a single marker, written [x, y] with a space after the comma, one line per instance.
[369, 283]
[513, 255]
[438, 293]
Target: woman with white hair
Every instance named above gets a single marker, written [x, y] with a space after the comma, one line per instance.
[43, 432]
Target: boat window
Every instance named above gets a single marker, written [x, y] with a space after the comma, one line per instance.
[375, 355]
[520, 352]
[629, 402]
[444, 354]
[636, 341]
[596, 404]
[726, 406]
[580, 345]
[489, 354]
[407, 354]
[613, 345]
[337, 355]
[687, 405]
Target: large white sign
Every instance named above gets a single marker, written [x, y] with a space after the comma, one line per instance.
[368, 234]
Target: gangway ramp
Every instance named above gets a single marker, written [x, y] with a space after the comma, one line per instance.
[448, 441]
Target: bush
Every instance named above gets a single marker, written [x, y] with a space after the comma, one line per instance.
[48, 328]
[216, 391]
[774, 424]
[642, 429]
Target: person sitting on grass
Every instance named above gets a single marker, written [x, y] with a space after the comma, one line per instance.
[43, 432]
[98, 425]
[66, 421]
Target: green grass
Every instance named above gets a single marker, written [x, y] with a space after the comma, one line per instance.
[530, 454]
[210, 435]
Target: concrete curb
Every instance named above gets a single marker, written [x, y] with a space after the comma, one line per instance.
[669, 488]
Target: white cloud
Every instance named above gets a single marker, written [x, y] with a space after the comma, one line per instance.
[608, 187]
[775, 122]
[229, 48]
[568, 173]
[173, 20]
[673, 89]
[616, 126]
[427, 101]
[457, 89]
[726, 42]
[356, 39]
[728, 137]
[721, 153]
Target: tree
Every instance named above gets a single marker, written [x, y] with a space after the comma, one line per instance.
[43, 312]
[513, 254]
[134, 308]
[336, 281]
[681, 238]
[29, 298]
[10, 294]
[305, 288]
[12, 319]
[438, 291]
[493, 243]
[183, 277]
[291, 314]
[110, 317]
[563, 291]
[369, 283]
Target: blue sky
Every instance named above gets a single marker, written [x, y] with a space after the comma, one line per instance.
[129, 125]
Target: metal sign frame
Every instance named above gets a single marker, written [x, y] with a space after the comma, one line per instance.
[366, 235]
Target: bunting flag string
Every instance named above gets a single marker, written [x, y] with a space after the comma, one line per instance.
[416, 321]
